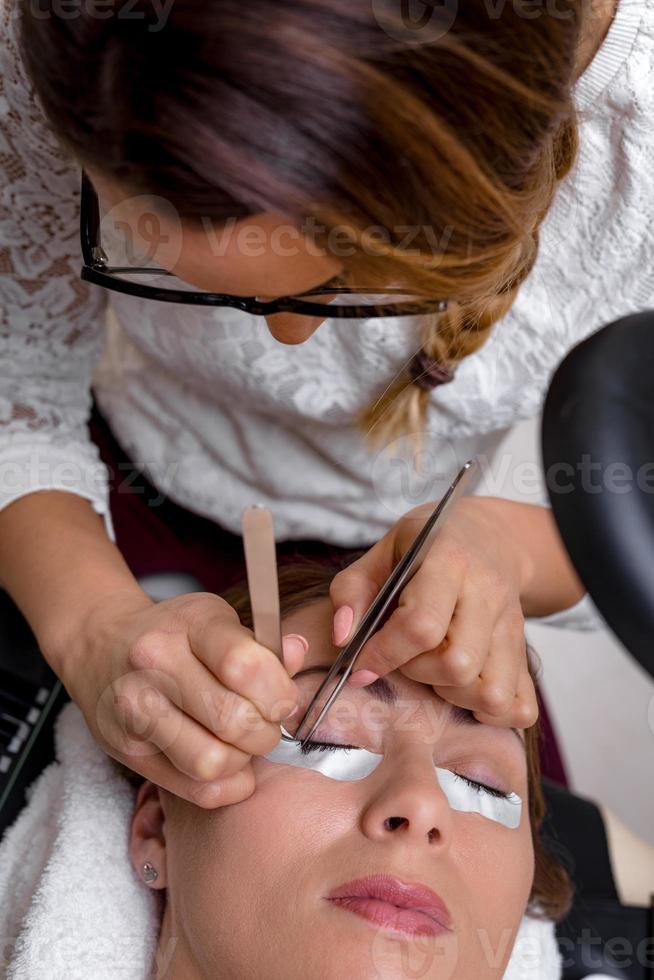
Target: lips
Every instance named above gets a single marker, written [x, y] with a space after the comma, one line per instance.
[390, 903]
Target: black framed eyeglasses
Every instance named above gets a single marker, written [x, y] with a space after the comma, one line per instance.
[324, 301]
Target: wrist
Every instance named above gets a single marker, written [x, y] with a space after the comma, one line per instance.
[547, 579]
[66, 642]
[506, 523]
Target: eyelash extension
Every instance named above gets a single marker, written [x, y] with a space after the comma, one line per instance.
[482, 787]
[330, 747]
[308, 747]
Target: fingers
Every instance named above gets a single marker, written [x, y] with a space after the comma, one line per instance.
[222, 792]
[197, 693]
[501, 673]
[459, 659]
[524, 710]
[419, 624]
[244, 667]
[458, 624]
[191, 748]
[228, 715]
[192, 698]
[295, 649]
[207, 722]
[503, 692]
[353, 589]
[146, 716]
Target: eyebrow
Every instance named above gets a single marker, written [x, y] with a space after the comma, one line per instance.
[385, 691]
[381, 689]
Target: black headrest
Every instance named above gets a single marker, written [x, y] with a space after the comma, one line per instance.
[598, 453]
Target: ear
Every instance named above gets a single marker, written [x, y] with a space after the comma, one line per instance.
[147, 841]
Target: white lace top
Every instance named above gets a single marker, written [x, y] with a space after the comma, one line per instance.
[219, 414]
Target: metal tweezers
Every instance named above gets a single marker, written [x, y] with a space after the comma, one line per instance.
[407, 566]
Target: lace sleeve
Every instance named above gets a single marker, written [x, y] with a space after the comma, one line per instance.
[583, 616]
[51, 323]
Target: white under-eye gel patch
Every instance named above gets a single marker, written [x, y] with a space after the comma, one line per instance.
[351, 764]
[506, 810]
[344, 764]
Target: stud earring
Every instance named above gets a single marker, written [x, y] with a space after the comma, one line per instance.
[150, 873]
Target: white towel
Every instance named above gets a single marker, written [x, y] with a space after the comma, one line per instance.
[73, 903]
[68, 893]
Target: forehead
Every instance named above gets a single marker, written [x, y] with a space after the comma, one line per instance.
[314, 621]
[263, 254]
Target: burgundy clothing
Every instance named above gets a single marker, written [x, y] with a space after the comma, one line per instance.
[155, 535]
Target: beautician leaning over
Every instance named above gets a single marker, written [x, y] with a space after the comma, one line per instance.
[493, 166]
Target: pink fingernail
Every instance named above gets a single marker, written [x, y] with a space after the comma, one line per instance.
[361, 678]
[293, 643]
[294, 711]
[343, 619]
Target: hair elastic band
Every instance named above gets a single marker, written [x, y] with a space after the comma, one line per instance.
[427, 373]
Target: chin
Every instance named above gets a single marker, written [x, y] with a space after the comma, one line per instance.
[362, 950]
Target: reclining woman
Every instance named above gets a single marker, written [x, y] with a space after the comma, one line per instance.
[417, 849]
[416, 852]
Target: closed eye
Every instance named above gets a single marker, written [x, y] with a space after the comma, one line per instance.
[482, 787]
[310, 746]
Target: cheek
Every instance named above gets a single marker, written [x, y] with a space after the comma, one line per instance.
[198, 848]
[498, 863]
[220, 850]
[245, 856]
[304, 810]
[227, 869]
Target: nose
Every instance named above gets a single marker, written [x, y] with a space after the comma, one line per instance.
[408, 805]
[291, 328]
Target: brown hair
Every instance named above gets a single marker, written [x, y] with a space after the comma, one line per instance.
[322, 109]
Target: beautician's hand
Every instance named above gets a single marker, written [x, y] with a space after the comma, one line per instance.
[180, 692]
[459, 624]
